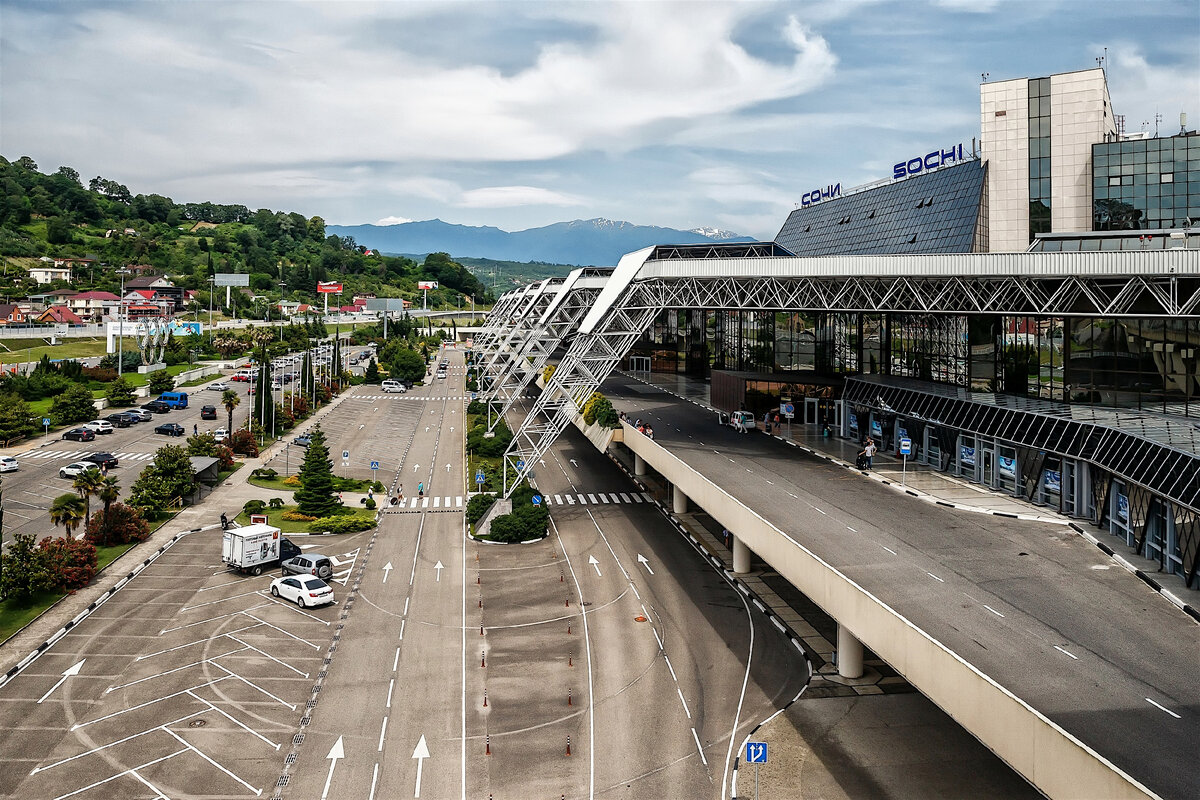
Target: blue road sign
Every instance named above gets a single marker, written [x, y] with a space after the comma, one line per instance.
[788, 409]
[520, 465]
[374, 465]
[906, 447]
[537, 499]
[479, 478]
[756, 752]
[45, 420]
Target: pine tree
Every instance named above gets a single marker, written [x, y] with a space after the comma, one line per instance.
[306, 376]
[316, 496]
[264, 401]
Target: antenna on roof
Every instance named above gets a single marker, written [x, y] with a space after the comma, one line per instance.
[983, 76]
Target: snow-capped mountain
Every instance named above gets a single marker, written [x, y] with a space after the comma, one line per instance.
[583, 242]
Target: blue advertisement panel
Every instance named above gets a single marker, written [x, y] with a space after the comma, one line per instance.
[184, 328]
[1008, 467]
[966, 456]
[901, 433]
[1052, 481]
[1122, 508]
[876, 429]
[853, 419]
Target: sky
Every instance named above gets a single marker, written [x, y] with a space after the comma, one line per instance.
[522, 114]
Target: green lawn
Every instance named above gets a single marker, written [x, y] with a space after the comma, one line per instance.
[16, 350]
[275, 518]
[13, 617]
[274, 484]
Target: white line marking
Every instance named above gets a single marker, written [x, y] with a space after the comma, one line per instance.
[391, 686]
[402, 629]
[396, 660]
[994, 611]
[685, 705]
[890, 550]
[699, 749]
[1163, 708]
[935, 577]
[382, 731]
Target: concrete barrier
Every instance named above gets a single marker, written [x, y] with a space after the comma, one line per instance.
[1050, 758]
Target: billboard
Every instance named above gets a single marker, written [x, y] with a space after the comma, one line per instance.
[231, 279]
[427, 284]
[329, 288]
[184, 328]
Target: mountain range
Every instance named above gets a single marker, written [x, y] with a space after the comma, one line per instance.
[583, 242]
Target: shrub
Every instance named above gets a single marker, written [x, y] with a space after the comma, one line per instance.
[346, 524]
[296, 516]
[265, 473]
[99, 374]
[244, 444]
[24, 575]
[71, 562]
[378, 487]
[478, 505]
[291, 480]
[547, 371]
[254, 507]
[123, 525]
[120, 394]
[161, 382]
[275, 502]
[369, 502]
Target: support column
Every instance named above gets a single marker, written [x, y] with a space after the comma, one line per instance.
[639, 465]
[849, 654]
[679, 501]
[741, 556]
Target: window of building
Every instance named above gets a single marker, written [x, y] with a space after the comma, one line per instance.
[1166, 177]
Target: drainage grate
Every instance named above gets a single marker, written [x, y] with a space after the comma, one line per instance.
[298, 738]
[291, 759]
[197, 723]
[283, 780]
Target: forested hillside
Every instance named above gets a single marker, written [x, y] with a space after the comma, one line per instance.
[57, 215]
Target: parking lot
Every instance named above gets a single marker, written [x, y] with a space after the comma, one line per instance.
[189, 676]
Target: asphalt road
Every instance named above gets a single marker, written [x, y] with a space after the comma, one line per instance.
[195, 682]
[1034, 606]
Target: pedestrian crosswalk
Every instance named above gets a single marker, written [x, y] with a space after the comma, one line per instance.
[595, 499]
[72, 455]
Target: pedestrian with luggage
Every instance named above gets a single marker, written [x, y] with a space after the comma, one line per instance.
[867, 454]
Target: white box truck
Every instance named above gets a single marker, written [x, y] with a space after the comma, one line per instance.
[255, 548]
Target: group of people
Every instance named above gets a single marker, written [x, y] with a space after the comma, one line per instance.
[642, 427]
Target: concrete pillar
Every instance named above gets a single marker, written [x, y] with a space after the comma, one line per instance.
[679, 500]
[639, 465]
[849, 654]
[741, 556]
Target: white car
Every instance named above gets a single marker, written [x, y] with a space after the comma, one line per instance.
[220, 434]
[219, 386]
[100, 426]
[8, 464]
[392, 386]
[75, 468]
[303, 590]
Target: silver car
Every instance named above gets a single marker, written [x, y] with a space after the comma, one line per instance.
[309, 564]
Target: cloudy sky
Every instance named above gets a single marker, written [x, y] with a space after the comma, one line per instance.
[520, 114]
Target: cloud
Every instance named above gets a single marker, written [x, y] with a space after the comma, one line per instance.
[509, 196]
[969, 6]
[392, 221]
[1146, 87]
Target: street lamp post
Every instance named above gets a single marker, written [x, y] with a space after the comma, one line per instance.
[121, 324]
[212, 287]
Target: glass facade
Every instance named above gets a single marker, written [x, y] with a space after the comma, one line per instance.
[1039, 156]
[1146, 184]
[935, 212]
[1145, 364]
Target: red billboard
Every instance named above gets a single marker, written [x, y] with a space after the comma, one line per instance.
[329, 288]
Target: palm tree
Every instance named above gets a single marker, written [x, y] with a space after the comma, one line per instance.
[230, 399]
[88, 483]
[110, 490]
[67, 510]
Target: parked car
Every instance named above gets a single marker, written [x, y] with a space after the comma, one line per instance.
[8, 464]
[174, 399]
[121, 419]
[157, 406]
[75, 468]
[220, 434]
[170, 429]
[218, 386]
[303, 440]
[309, 564]
[80, 435]
[392, 386]
[303, 591]
[139, 415]
[99, 426]
[208, 412]
[102, 459]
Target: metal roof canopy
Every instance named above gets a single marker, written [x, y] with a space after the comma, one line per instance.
[1134, 284]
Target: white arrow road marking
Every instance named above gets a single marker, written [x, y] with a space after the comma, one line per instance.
[67, 673]
[592, 560]
[387, 569]
[574, 463]
[543, 461]
[447, 468]
[420, 753]
[336, 752]
[438, 566]
[642, 560]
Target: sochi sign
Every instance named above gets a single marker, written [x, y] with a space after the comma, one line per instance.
[329, 288]
[817, 195]
[932, 160]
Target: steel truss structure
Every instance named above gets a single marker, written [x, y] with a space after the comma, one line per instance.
[1141, 284]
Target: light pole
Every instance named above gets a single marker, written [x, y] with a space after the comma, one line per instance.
[121, 324]
[282, 298]
[212, 287]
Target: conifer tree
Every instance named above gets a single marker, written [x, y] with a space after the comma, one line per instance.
[316, 496]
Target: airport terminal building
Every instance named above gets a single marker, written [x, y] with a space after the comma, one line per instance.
[1026, 310]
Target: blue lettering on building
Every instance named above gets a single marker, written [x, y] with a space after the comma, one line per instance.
[931, 160]
[817, 195]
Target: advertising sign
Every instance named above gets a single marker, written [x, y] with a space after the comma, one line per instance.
[329, 288]
[427, 284]
[1008, 467]
[931, 160]
[1052, 481]
[1122, 508]
[231, 279]
[966, 456]
[258, 519]
[184, 328]
[876, 429]
[853, 420]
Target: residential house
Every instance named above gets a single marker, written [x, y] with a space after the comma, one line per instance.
[11, 314]
[135, 311]
[46, 272]
[60, 314]
[163, 289]
[94, 305]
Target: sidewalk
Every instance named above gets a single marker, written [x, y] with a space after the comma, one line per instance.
[229, 497]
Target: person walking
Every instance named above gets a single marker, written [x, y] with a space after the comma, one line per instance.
[866, 456]
[195, 430]
[421, 489]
